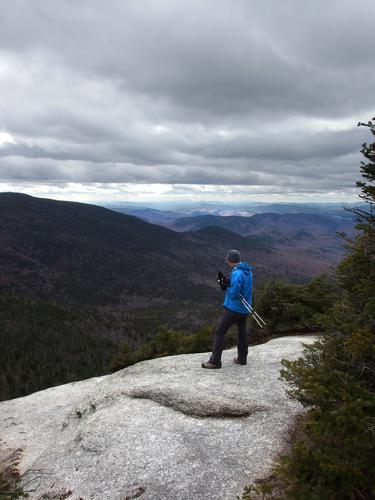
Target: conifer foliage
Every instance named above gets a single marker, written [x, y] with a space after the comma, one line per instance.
[332, 455]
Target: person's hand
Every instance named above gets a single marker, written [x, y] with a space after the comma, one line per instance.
[223, 281]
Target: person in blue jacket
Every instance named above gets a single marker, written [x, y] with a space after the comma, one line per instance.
[240, 284]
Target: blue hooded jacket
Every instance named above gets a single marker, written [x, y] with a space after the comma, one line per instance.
[241, 283]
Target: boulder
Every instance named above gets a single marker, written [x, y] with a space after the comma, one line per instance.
[163, 429]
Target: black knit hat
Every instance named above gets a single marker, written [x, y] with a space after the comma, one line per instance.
[233, 256]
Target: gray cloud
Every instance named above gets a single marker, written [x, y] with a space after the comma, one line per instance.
[258, 93]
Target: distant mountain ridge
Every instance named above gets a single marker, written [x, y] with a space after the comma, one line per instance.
[262, 224]
[152, 215]
[300, 235]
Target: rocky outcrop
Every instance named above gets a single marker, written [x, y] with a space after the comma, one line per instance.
[161, 429]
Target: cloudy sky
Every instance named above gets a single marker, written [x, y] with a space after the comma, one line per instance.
[199, 99]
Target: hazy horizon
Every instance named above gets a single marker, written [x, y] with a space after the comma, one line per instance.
[185, 202]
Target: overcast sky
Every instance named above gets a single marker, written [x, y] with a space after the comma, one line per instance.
[199, 99]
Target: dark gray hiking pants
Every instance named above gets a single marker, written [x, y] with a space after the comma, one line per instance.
[228, 319]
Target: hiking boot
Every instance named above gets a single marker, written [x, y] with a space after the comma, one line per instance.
[211, 365]
[239, 362]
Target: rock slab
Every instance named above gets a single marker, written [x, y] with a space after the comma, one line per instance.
[163, 429]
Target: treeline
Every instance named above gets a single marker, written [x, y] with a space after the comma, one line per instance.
[299, 309]
[165, 343]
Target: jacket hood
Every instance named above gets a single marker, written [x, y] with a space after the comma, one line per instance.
[242, 266]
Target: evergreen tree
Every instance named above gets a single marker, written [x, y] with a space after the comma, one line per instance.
[333, 452]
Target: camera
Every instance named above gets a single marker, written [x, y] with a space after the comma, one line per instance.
[223, 281]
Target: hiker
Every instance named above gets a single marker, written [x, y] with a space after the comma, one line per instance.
[235, 312]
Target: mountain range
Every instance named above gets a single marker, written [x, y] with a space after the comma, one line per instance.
[83, 253]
